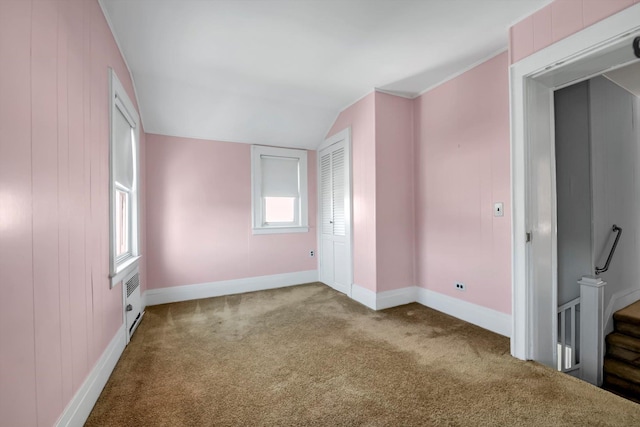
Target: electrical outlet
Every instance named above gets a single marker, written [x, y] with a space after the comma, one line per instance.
[312, 254]
[460, 286]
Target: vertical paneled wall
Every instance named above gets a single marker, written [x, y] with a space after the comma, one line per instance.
[462, 168]
[615, 151]
[395, 208]
[57, 313]
[558, 20]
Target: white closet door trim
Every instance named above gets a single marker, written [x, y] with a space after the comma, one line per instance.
[344, 135]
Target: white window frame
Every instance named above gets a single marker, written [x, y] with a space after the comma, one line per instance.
[120, 266]
[301, 224]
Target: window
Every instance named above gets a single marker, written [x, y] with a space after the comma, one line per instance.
[279, 184]
[123, 150]
[123, 223]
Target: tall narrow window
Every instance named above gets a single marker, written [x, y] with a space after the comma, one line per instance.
[279, 190]
[124, 182]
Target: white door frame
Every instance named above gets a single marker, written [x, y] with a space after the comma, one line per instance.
[603, 46]
[343, 135]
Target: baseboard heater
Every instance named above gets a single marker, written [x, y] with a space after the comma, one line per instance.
[133, 301]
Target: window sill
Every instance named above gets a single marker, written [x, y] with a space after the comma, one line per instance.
[280, 230]
[123, 269]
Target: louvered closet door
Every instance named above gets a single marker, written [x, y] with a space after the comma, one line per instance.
[335, 259]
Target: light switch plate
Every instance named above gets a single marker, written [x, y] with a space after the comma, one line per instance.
[498, 209]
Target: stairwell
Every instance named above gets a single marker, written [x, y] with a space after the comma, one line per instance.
[622, 360]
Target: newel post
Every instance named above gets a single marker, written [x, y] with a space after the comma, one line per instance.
[592, 328]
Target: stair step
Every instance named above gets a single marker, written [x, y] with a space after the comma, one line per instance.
[627, 320]
[622, 388]
[622, 370]
[629, 314]
[626, 328]
[624, 341]
[624, 347]
[624, 355]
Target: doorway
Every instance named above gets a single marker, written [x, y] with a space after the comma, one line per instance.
[334, 201]
[601, 48]
[597, 186]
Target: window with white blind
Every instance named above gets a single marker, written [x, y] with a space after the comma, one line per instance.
[279, 186]
[123, 155]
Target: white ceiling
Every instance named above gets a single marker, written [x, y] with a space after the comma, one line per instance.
[627, 77]
[278, 72]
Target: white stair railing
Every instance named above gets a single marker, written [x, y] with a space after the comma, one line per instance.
[592, 329]
[568, 346]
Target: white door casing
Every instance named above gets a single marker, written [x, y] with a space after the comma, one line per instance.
[334, 206]
[601, 47]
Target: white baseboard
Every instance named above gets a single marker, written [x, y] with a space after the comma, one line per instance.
[78, 410]
[396, 297]
[364, 296]
[382, 300]
[228, 287]
[618, 301]
[486, 318]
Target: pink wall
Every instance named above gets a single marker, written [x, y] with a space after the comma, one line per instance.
[57, 313]
[395, 222]
[383, 211]
[558, 20]
[462, 168]
[199, 216]
[361, 117]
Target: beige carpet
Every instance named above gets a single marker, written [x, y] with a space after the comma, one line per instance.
[308, 355]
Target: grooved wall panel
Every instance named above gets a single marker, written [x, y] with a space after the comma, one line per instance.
[557, 21]
[462, 167]
[57, 313]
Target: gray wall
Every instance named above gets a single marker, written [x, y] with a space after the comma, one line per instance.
[598, 185]
[573, 184]
[616, 183]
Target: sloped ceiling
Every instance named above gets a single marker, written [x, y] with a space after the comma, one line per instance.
[279, 72]
[627, 77]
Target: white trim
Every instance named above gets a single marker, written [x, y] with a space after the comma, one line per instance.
[386, 299]
[343, 135]
[227, 287]
[118, 98]
[124, 269]
[124, 59]
[396, 297]
[462, 71]
[527, 122]
[398, 94]
[423, 91]
[301, 224]
[486, 318]
[279, 230]
[78, 410]
[126, 301]
[364, 296]
[618, 301]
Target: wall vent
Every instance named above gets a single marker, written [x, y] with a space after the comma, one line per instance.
[132, 284]
[132, 301]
